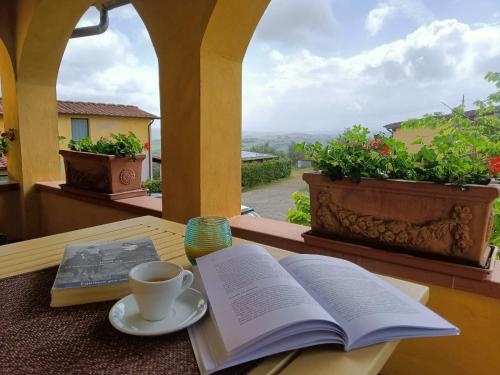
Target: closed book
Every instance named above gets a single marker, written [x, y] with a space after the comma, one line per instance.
[95, 272]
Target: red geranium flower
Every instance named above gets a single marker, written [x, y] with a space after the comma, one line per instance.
[375, 143]
[494, 165]
[384, 150]
[147, 146]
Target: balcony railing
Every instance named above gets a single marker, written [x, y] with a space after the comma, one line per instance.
[470, 303]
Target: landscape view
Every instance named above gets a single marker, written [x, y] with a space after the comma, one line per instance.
[311, 71]
[272, 187]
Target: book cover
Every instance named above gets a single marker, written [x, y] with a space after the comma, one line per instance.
[100, 264]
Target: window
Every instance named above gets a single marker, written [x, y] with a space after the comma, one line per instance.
[79, 128]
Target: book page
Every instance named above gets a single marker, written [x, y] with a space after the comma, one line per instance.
[360, 301]
[211, 355]
[252, 296]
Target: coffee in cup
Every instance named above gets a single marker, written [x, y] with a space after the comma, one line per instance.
[156, 286]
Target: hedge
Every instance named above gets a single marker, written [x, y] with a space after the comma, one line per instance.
[257, 173]
[154, 186]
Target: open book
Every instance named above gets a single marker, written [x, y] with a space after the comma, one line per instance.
[260, 306]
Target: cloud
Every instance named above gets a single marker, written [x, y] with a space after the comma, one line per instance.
[414, 10]
[408, 77]
[107, 68]
[288, 24]
[377, 16]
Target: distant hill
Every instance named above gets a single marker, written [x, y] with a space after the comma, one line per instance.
[156, 146]
[283, 140]
[280, 141]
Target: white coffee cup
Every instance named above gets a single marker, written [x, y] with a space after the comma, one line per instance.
[156, 286]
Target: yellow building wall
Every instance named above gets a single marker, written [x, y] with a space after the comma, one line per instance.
[101, 126]
[408, 136]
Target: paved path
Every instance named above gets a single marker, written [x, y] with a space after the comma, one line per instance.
[272, 201]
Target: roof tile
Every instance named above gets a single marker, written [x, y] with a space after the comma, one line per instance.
[98, 109]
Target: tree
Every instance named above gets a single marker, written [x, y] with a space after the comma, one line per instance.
[266, 149]
[293, 154]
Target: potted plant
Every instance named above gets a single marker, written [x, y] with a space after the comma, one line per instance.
[438, 201]
[111, 165]
[5, 137]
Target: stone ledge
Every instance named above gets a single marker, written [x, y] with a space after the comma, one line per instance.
[144, 205]
[289, 236]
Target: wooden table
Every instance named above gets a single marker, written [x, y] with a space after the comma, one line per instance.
[168, 238]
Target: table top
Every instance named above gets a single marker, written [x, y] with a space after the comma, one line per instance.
[168, 238]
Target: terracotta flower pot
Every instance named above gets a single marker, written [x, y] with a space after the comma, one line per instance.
[422, 217]
[102, 173]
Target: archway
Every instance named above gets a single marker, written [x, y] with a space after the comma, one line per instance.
[103, 75]
[200, 52]
[199, 49]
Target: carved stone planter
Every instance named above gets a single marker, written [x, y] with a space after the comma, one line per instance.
[418, 217]
[100, 173]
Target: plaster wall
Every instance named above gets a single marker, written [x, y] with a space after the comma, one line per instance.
[62, 214]
[474, 351]
[10, 218]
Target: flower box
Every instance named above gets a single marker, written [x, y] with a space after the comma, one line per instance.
[101, 173]
[419, 217]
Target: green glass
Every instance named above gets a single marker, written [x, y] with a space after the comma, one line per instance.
[205, 235]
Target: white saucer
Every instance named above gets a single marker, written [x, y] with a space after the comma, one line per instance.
[188, 309]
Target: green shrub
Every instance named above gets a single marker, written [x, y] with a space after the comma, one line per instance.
[156, 171]
[154, 186]
[120, 145]
[466, 149]
[266, 149]
[5, 137]
[257, 173]
[302, 212]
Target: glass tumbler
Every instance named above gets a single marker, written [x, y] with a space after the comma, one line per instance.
[205, 235]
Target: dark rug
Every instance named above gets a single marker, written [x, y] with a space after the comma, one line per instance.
[38, 339]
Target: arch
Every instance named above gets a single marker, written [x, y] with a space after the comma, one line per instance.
[9, 104]
[229, 31]
[200, 48]
[200, 51]
[41, 32]
[43, 36]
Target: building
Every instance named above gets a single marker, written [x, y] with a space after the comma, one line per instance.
[304, 163]
[408, 136]
[253, 157]
[77, 120]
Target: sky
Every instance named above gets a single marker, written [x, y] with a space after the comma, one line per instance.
[315, 65]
